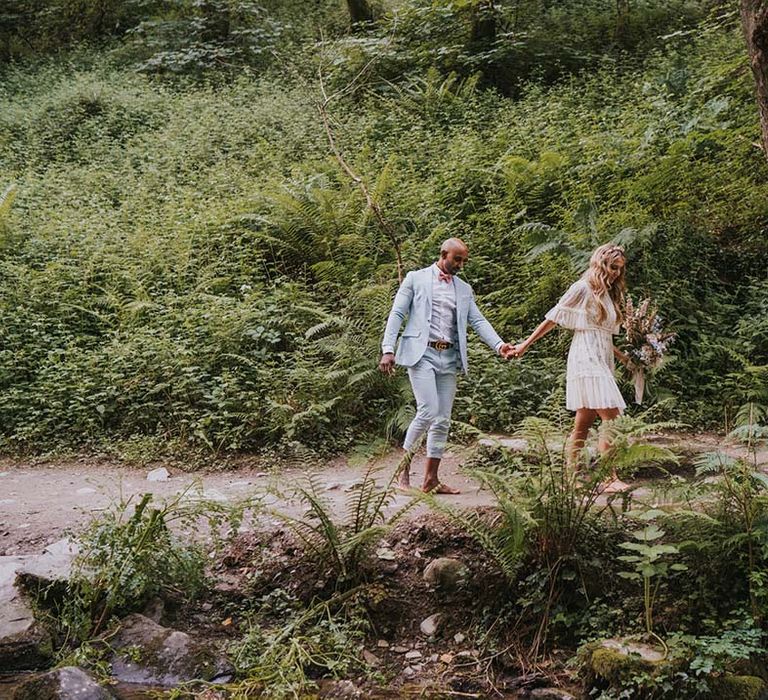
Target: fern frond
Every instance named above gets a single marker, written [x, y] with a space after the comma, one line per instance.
[714, 463]
[6, 201]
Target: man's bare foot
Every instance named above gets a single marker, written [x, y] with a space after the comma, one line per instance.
[403, 483]
[438, 487]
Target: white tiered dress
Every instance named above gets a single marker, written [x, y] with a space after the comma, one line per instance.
[589, 382]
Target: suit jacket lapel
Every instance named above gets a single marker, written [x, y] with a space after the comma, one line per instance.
[460, 298]
[428, 284]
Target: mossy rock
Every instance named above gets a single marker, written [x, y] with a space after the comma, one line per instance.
[615, 660]
[738, 688]
[148, 653]
[68, 683]
[27, 646]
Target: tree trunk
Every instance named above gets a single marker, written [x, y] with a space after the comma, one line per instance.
[360, 11]
[754, 20]
[622, 19]
[483, 37]
[483, 24]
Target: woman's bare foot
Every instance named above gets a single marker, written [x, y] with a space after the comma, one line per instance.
[438, 487]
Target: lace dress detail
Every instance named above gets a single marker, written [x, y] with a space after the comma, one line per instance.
[590, 382]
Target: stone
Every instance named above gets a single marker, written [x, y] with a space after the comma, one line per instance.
[370, 658]
[399, 650]
[150, 654]
[445, 573]
[413, 655]
[386, 554]
[154, 609]
[25, 645]
[431, 625]
[340, 690]
[159, 474]
[49, 571]
[408, 672]
[459, 637]
[508, 443]
[468, 654]
[388, 567]
[68, 683]
[550, 694]
[382, 644]
[446, 658]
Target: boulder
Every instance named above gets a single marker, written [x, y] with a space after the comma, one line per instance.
[68, 683]
[150, 654]
[617, 659]
[445, 573]
[24, 644]
[45, 576]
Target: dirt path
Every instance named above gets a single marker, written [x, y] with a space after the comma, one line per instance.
[40, 503]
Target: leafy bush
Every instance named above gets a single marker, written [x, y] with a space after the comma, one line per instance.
[128, 555]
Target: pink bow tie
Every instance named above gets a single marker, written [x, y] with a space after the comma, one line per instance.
[444, 277]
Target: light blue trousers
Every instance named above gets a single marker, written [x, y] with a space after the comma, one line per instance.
[433, 380]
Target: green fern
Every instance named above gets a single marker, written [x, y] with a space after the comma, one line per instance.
[505, 537]
[344, 545]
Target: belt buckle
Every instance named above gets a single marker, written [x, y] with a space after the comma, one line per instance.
[441, 345]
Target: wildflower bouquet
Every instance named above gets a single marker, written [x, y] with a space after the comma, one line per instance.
[647, 341]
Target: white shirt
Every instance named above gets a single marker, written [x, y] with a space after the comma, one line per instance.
[442, 323]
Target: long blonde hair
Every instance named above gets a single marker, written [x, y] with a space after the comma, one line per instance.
[598, 278]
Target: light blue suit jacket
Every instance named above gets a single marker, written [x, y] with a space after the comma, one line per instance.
[414, 302]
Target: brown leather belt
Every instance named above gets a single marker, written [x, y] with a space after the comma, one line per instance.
[440, 344]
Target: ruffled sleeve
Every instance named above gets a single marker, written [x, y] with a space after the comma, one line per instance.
[571, 310]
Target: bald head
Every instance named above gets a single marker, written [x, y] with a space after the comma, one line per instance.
[453, 255]
[453, 244]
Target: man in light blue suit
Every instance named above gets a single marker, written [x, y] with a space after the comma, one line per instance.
[438, 307]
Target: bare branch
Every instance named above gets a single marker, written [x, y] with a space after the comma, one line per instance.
[373, 205]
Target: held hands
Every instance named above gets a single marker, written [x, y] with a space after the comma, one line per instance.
[508, 350]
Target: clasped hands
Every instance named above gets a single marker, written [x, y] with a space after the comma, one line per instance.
[510, 350]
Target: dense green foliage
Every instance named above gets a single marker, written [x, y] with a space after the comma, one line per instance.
[185, 260]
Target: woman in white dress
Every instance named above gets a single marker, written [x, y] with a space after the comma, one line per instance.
[592, 309]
